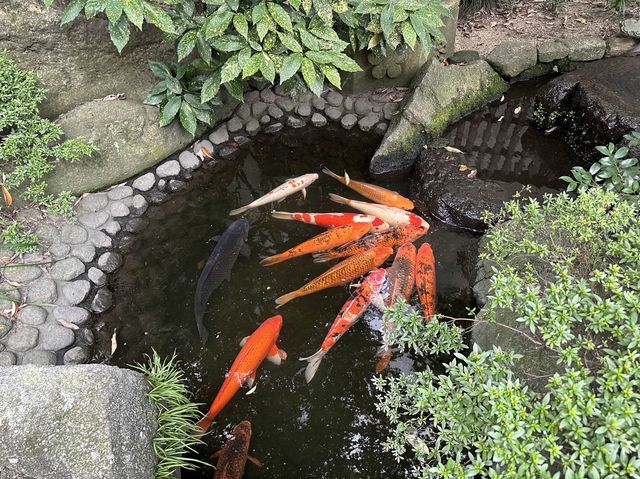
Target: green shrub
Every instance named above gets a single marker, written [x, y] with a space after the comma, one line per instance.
[478, 419]
[221, 43]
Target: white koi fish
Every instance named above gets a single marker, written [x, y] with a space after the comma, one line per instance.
[287, 188]
[389, 214]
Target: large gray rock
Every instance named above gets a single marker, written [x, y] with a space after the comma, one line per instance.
[512, 58]
[77, 62]
[631, 27]
[76, 422]
[443, 95]
[585, 49]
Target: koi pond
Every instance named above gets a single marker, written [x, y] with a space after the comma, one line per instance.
[325, 429]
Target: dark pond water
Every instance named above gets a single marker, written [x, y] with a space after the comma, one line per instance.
[328, 428]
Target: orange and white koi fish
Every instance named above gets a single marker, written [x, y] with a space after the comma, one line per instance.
[341, 273]
[332, 220]
[377, 194]
[255, 348]
[389, 214]
[350, 313]
[393, 237]
[287, 188]
[426, 280]
[327, 240]
[233, 456]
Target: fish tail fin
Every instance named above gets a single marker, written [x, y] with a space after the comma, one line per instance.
[282, 215]
[321, 257]
[238, 211]
[327, 171]
[314, 362]
[205, 423]
[339, 199]
[202, 331]
[271, 260]
[285, 298]
[346, 178]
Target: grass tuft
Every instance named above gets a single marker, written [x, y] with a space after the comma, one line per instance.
[177, 435]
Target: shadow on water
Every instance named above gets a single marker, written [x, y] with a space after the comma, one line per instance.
[326, 429]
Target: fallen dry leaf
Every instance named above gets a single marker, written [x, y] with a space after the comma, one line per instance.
[472, 174]
[463, 168]
[114, 342]
[501, 118]
[502, 99]
[8, 200]
[451, 149]
[550, 130]
[68, 325]
[517, 110]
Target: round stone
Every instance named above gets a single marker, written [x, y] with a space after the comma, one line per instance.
[304, 109]
[32, 315]
[389, 110]
[168, 168]
[144, 182]
[47, 232]
[93, 220]
[381, 128]
[21, 273]
[631, 27]
[10, 292]
[93, 202]
[7, 358]
[274, 128]
[97, 277]
[71, 314]
[275, 112]
[162, 185]
[119, 209]
[378, 72]
[109, 261]
[318, 120]
[189, 161]
[176, 185]
[219, 135]
[67, 269]
[86, 336]
[101, 240]
[42, 290]
[258, 109]
[112, 228]
[394, 70]
[319, 103]
[59, 250]
[252, 127]
[334, 98]
[234, 124]
[54, 336]
[295, 122]
[73, 234]
[120, 192]
[157, 197]
[139, 205]
[348, 103]
[5, 326]
[84, 252]
[206, 144]
[349, 121]
[333, 113]
[76, 355]
[368, 122]
[102, 301]
[76, 291]
[363, 106]
[265, 119]
[268, 95]
[244, 111]
[40, 358]
[22, 339]
[285, 103]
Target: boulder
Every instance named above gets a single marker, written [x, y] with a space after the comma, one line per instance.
[585, 49]
[512, 58]
[77, 62]
[594, 105]
[631, 27]
[442, 95]
[75, 422]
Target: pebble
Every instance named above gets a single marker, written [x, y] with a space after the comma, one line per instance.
[363, 106]
[76, 291]
[318, 120]
[76, 355]
[22, 339]
[144, 182]
[234, 124]
[162, 184]
[10, 291]
[389, 109]
[119, 209]
[120, 192]
[368, 122]
[381, 129]
[251, 96]
[273, 128]
[349, 121]
[227, 151]
[102, 301]
[334, 98]
[268, 95]
[285, 103]
[86, 336]
[59, 250]
[157, 197]
[275, 112]
[265, 119]
[73, 234]
[348, 103]
[244, 111]
[7, 358]
[71, 314]
[21, 274]
[54, 336]
[40, 358]
[47, 232]
[295, 122]
[219, 135]
[304, 109]
[109, 261]
[252, 127]
[319, 103]
[67, 269]
[139, 205]
[97, 277]
[206, 144]
[93, 220]
[241, 140]
[176, 185]
[189, 161]
[5, 326]
[43, 290]
[32, 315]
[93, 202]
[258, 108]
[168, 168]
[112, 228]
[333, 113]
[84, 252]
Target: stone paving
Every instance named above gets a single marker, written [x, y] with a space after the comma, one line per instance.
[60, 289]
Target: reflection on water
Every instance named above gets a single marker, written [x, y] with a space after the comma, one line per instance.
[329, 428]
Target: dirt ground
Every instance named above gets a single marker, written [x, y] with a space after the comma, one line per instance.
[529, 20]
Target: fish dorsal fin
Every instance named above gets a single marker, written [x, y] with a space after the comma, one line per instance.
[346, 178]
[243, 341]
[254, 460]
[304, 193]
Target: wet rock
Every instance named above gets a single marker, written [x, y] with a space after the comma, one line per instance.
[334, 98]
[295, 122]
[47, 233]
[189, 161]
[67, 269]
[265, 119]
[252, 127]
[71, 314]
[267, 95]
[21, 274]
[465, 56]
[54, 336]
[512, 58]
[617, 46]
[97, 277]
[135, 225]
[109, 262]
[304, 109]
[319, 103]
[73, 234]
[86, 336]
[119, 209]
[157, 197]
[206, 144]
[176, 185]
[537, 71]
[553, 50]
[275, 112]
[120, 192]
[585, 49]
[244, 111]
[84, 252]
[363, 106]
[631, 27]
[318, 120]
[333, 113]
[285, 103]
[274, 128]
[101, 240]
[59, 250]
[5, 326]
[389, 110]
[144, 182]
[102, 301]
[349, 121]
[7, 358]
[22, 338]
[139, 205]
[93, 220]
[168, 168]
[42, 290]
[219, 135]
[234, 124]
[162, 185]
[76, 291]
[368, 122]
[93, 202]
[76, 355]
[258, 109]
[381, 129]
[31, 316]
[112, 228]
[39, 358]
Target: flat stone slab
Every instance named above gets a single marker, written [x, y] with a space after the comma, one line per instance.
[512, 58]
[90, 421]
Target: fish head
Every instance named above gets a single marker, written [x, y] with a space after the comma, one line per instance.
[418, 221]
[309, 178]
[377, 277]
[425, 249]
[272, 325]
[381, 253]
[240, 227]
[242, 429]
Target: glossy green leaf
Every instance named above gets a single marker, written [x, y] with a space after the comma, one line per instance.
[159, 69]
[289, 42]
[186, 44]
[324, 10]
[235, 89]
[159, 17]
[308, 71]
[119, 33]
[93, 7]
[211, 87]
[188, 118]
[134, 11]
[290, 66]
[252, 66]
[231, 69]
[280, 16]
[71, 11]
[241, 25]
[113, 10]
[332, 74]
[267, 67]
[409, 34]
[169, 111]
[217, 23]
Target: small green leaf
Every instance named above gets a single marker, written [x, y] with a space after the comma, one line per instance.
[113, 9]
[188, 118]
[267, 67]
[409, 34]
[308, 71]
[332, 74]
[280, 16]
[47, 3]
[241, 25]
[210, 87]
[203, 115]
[228, 43]
[119, 33]
[71, 11]
[93, 7]
[289, 42]
[307, 5]
[170, 110]
[233, 4]
[343, 62]
[309, 40]
[324, 10]
[258, 12]
[159, 69]
[154, 100]
[134, 12]
[158, 88]
[386, 21]
[262, 28]
[217, 23]
[186, 44]
[235, 89]
[159, 17]
[231, 69]
[203, 48]
[252, 66]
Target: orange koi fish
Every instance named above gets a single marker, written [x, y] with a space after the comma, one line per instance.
[426, 280]
[233, 456]
[332, 220]
[327, 240]
[287, 188]
[393, 216]
[350, 313]
[255, 348]
[341, 273]
[377, 194]
[393, 237]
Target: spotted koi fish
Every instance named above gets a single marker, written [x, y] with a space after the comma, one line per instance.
[287, 188]
[350, 313]
[233, 456]
[255, 348]
[341, 273]
[426, 280]
[393, 237]
[377, 194]
[327, 240]
[389, 214]
[332, 220]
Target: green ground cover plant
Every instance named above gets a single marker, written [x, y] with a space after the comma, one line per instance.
[299, 44]
[568, 269]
